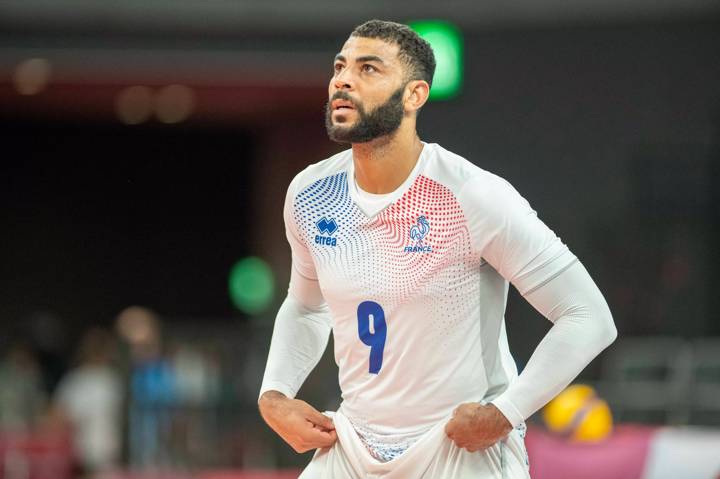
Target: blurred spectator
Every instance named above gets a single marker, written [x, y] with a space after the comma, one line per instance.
[89, 400]
[197, 375]
[152, 387]
[22, 399]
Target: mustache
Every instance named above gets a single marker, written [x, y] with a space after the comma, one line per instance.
[342, 95]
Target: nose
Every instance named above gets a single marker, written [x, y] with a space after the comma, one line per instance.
[343, 80]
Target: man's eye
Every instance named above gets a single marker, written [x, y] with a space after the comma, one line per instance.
[368, 68]
[337, 67]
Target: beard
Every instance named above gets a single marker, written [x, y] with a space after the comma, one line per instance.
[382, 121]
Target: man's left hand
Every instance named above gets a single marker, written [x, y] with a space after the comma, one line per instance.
[475, 426]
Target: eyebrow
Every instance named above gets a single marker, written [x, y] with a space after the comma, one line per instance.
[366, 58]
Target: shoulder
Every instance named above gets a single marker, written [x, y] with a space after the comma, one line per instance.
[469, 182]
[329, 167]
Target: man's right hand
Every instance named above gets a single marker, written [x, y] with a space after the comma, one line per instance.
[298, 423]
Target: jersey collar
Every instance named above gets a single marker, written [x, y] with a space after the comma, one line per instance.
[372, 204]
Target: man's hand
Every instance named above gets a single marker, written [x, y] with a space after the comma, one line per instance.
[475, 426]
[297, 422]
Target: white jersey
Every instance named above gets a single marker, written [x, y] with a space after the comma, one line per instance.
[433, 456]
[417, 285]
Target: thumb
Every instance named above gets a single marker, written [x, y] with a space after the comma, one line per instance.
[319, 419]
[449, 426]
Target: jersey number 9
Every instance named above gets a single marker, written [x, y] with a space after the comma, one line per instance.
[372, 330]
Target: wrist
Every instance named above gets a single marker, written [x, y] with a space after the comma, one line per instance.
[270, 399]
[508, 409]
[272, 394]
[499, 418]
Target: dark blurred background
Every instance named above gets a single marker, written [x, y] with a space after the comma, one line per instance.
[147, 146]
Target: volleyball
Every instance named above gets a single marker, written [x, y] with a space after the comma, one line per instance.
[579, 414]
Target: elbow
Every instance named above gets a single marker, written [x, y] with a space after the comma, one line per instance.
[603, 325]
[611, 333]
[600, 330]
[607, 332]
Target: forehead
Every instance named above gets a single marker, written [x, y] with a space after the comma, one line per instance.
[356, 47]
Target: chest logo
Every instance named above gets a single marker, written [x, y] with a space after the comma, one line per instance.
[326, 227]
[417, 234]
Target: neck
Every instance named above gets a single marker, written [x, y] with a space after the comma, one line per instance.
[383, 164]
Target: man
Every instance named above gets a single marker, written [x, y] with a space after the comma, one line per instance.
[404, 251]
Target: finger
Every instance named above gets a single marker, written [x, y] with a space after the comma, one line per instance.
[321, 420]
[319, 438]
[452, 423]
[317, 431]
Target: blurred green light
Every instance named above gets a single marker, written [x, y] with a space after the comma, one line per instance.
[447, 43]
[251, 285]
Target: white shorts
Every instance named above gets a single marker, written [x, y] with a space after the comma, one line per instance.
[433, 456]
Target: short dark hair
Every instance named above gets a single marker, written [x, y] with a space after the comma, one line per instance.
[415, 51]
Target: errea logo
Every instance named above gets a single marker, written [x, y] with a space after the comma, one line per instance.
[328, 227]
[418, 233]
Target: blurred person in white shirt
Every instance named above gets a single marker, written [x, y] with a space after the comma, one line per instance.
[89, 400]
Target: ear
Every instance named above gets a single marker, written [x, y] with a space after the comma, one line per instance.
[416, 94]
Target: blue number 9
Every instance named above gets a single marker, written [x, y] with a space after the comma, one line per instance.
[372, 331]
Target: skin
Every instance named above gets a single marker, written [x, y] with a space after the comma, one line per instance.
[368, 71]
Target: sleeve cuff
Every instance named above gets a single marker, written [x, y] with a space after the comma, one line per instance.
[508, 410]
[279, 387]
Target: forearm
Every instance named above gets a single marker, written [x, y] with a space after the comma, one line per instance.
[583, 328]
[300, 337]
